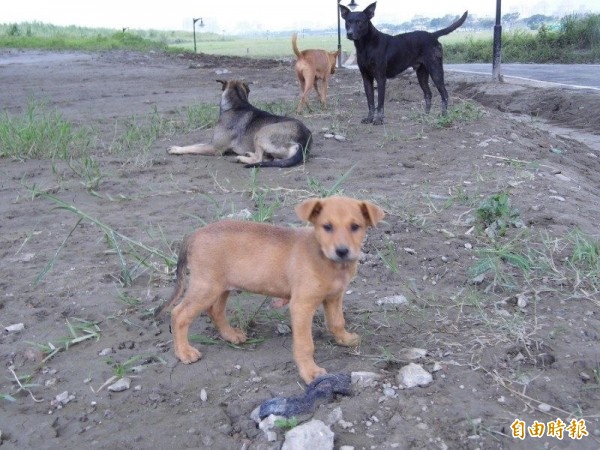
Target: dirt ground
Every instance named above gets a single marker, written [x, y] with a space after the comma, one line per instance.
[496, 352]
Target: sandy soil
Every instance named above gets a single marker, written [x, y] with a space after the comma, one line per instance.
[494, 359]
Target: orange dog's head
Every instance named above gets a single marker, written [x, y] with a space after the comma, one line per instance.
[340, 224]
[332, 56]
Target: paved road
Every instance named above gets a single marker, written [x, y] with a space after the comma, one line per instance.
[574, 75]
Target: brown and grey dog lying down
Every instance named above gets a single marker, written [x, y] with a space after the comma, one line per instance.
[259, 138]
[305, 267]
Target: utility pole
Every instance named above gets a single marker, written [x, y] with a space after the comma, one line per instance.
[496, 76]
[194, 26]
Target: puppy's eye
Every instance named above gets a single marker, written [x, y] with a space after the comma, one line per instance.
[355, 227]
[328, 227]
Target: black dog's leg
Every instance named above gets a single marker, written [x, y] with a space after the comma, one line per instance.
[423, 77]
[370, 93]
[378, 120]
[438, 80]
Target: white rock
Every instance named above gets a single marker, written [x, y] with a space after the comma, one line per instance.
[15, 327]
[314, 434]
[328, 135]
[203, 395]
[558, 197]
[543, 407]
[339, 137]
[121, 385]
[105, 352]
[413, 353]
[413, 375]
[63, 398]
[364, 379]
[392, 300]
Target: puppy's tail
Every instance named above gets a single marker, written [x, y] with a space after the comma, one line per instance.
[181, 273]
[299, 156]
[294, 45]
[452, 27]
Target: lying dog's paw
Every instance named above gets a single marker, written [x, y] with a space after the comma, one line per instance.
[173, 150]
[188, 355]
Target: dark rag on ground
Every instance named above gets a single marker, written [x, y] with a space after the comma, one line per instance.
[322, 390]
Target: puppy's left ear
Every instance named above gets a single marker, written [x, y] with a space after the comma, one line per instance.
[309, 209]
[372, 213]
[247, 87]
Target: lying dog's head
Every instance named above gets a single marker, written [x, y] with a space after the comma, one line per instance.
[234, 93]
[340, 224]
[357, 22]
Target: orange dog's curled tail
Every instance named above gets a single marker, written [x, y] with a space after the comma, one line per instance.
[294, 45]
[181, 274]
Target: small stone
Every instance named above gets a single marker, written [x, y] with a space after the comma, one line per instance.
[558, 197]
[339, 137]
[328, 135]
[468, 246]
[522, 300]
[283, 329]
[410, 251]
[105, 352]
[413, 353]
[15, 327]
[413, 375]
[364, 379]
[392, 300]
[62, 398]
[121, 385]
[545, 408]
[203, 395]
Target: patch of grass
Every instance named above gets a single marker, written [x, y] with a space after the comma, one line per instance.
[134, 256]
[286, 424]
[80, 330]
[462, 112]
[390, 257]
[495, 215]
[42, 133]
[335, 189]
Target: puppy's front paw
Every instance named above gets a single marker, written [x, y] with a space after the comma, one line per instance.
[234, 335]
[349, 340]
[172, 150]
[308, 374]
[188, 354]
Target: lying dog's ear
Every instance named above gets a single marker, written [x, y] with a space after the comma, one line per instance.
[372, 213]
[309, 209]
[223, 83]
[370, 10]
[247, 87]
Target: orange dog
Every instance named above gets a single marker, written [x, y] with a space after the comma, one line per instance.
[313, 65]
[308, 266]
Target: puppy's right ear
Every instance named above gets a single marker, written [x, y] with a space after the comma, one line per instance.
[309, 209]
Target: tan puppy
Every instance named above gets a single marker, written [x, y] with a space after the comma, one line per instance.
[309, 266]
[313, 65]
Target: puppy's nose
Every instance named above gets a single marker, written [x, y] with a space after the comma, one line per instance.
[342, 252]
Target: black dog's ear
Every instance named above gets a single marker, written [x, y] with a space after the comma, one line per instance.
[247, 87]
[370, 10]
[344, 11]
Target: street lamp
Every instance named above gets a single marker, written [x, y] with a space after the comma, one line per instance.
[194, 26]
[352, 5]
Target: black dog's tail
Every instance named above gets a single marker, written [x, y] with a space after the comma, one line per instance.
[181, 274]
[452, 27]
[297, 158]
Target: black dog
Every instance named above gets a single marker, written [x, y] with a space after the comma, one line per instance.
[381, 56]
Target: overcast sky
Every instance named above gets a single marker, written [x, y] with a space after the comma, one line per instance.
[232, 16]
